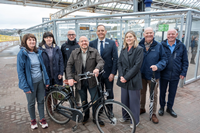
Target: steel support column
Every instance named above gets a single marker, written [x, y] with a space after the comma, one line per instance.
[181, 28]
[55, 31]
[126, 26]
[77, 29]
[188, 29]
[135, 5]
[121, 42]
[147, 21]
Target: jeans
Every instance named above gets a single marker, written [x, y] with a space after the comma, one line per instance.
[173, 84]
[39, 91]
[83, 94]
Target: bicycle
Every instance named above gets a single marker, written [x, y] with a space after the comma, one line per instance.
[63, 108]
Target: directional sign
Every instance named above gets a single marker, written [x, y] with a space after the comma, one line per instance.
[84, 28]
[163, 27]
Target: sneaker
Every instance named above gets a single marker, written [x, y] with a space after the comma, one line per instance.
[43, 123]
[131, 126]
[122, 120]
[34, 124]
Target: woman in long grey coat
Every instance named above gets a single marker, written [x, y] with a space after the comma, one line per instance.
[129, 78]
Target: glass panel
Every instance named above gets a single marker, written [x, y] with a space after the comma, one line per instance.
[87, 28]
[195, 41]
[137, 26]
[113, 28]
[162, 35]
[134, 24]
[62, 29]
[192, 51]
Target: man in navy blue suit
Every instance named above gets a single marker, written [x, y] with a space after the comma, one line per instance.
[108, 52]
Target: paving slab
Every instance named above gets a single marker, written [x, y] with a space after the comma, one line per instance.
[14, 117]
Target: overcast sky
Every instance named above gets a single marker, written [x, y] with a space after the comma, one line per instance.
[17, 16]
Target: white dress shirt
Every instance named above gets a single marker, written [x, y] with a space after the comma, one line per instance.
[99, 45]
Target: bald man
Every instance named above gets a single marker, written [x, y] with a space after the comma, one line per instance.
[85, 59]
[176, 69]
[154, 60]
[66, 50]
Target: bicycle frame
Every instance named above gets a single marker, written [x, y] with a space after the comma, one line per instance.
[100, 100]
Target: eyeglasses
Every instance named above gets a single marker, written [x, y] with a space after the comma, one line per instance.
[71, 34]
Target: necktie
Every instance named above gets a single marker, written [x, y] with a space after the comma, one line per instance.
[101, 48]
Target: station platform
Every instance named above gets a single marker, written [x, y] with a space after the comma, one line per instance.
[14, 117]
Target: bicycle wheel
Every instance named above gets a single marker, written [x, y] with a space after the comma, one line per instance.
[53, 98]
[121, 118]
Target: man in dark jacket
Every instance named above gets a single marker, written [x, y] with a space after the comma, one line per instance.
[176, 69]
[68, 47]
[66, 50]
[108, 52]
[85, 59]
[155, 59]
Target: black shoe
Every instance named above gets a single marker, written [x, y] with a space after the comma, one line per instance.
[161, 112]
[85, 119]
[171, 112]
[101, 123]
[142, 111]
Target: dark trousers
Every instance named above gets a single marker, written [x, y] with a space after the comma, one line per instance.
[173, 84]
[109, 89]
[131, 98]
[38, 94]
[83, 94]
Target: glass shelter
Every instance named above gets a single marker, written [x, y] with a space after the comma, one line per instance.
[186, 21]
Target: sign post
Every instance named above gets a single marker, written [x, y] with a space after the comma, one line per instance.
[163, 28]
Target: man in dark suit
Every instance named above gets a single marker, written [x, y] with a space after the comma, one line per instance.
[108, 52]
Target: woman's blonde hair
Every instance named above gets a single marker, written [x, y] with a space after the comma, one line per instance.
[135, 42]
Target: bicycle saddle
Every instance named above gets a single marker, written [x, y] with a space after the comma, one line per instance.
[67, 83]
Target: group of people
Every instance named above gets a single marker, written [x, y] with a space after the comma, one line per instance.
[40, 67]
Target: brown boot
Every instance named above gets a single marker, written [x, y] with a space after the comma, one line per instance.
[154, 119]
[142, 111]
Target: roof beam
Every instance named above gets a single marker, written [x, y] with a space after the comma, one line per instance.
[193, 4]
[80, 5]
[56, 3]
[179, 4]
[113, 8]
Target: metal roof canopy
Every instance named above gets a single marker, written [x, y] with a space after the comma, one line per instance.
[102, 6]
[178, 11]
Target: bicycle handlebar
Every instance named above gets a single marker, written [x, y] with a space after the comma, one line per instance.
[88, 75]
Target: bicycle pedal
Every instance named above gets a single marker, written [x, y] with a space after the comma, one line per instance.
[74, 128]
[114, 121]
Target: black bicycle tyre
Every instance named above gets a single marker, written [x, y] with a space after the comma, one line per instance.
[98, 113]
[52, 92]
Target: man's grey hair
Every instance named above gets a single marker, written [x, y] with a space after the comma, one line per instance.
[72, 30]
[173, 30]
[148, 29]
